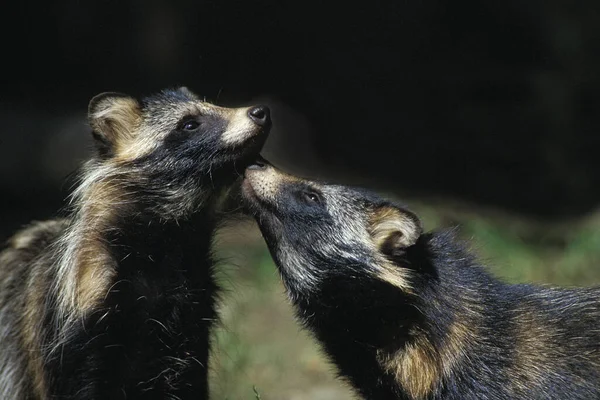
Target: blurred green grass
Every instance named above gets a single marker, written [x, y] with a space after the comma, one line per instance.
[260, 352]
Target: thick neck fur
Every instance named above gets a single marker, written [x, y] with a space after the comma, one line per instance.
[461, 334]
[134, 298]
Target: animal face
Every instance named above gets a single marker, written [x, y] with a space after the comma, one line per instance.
[318, 231]
[172, 149]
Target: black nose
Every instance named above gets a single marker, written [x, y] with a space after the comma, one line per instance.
[261, 115]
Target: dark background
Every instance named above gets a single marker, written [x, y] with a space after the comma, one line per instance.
[490, 102]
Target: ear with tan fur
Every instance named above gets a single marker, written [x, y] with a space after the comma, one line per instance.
[114, 118]
[393, 229]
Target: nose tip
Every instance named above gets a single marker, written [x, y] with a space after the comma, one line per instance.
[261, 115]
[259, 164]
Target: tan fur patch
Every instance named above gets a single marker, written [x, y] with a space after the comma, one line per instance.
[416, 367]
[95, 267]
[419, 367]
[96, 271]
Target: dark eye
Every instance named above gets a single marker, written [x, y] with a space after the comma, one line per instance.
[191, 125]
[311, 197]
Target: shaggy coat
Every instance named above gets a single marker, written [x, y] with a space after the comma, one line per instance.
[412, 315]
[116, 300]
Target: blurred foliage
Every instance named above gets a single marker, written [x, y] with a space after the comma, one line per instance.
[259, 345]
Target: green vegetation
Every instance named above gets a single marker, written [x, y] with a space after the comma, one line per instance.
[261, 353]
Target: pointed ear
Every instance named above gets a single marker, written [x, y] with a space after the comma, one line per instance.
[393, 229]
[114, 118]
